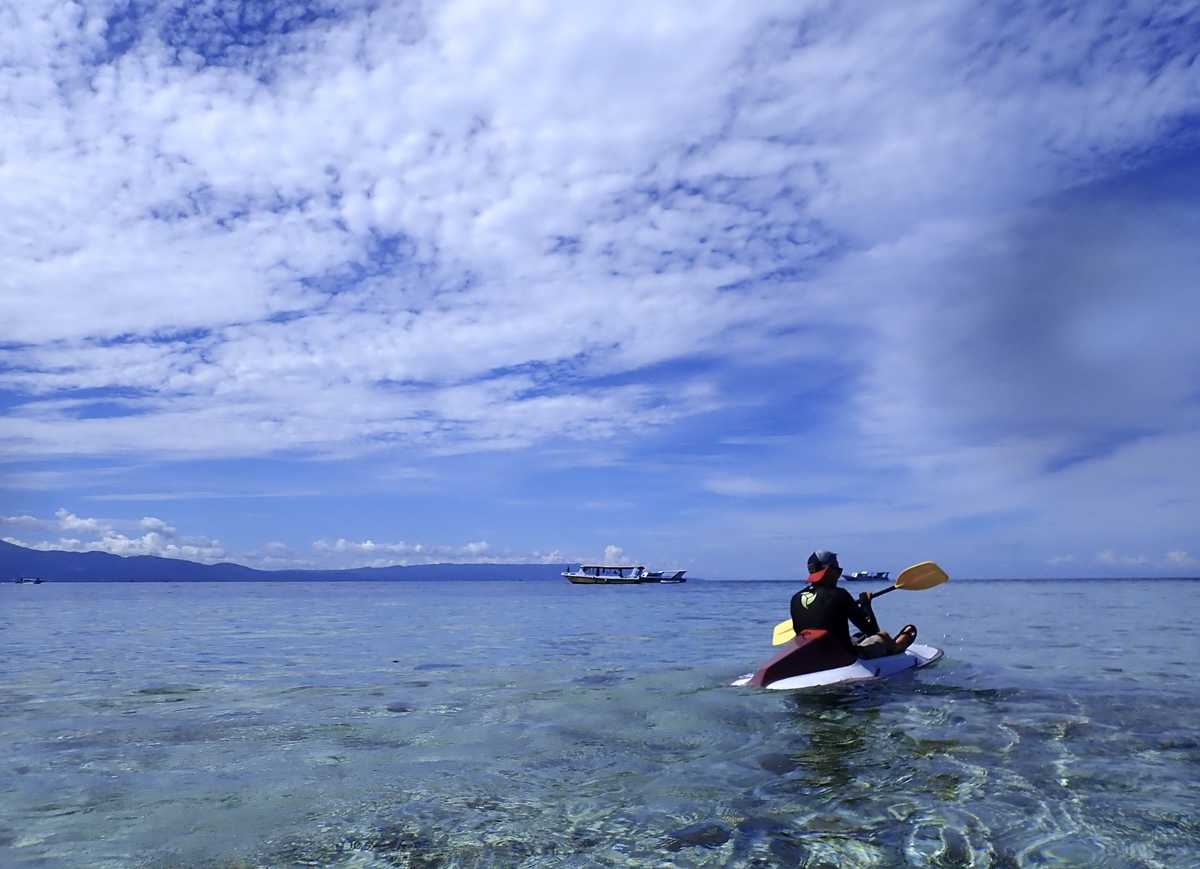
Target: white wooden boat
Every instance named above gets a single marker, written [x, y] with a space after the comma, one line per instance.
[621, 574]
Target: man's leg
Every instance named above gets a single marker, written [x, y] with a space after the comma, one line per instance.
[874, 646]
[881, 644]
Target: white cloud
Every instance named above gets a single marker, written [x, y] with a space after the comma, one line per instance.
[1172, 560]
[368, 546]
[602, 504]
[38, 480]
[68, 521]
[614, 554]
[1112, 558]
[276, 555]
[342, 553]
[69, 544]
[192, 549]
[62, 480]
[742, 486]
[201, 495]
[151, 535]
[153, 524]
[165, 545]
[106, 535]
[341, 238]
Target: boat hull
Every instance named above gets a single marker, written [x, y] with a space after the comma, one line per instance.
[639, 577]
[601, 580]
[587, 580]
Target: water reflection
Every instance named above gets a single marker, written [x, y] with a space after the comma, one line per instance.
[828, 737]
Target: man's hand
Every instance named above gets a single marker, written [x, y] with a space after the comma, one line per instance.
[864, 603]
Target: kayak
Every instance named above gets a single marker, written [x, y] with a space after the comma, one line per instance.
[815, 658]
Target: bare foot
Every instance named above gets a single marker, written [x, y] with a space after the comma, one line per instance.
[905, 638]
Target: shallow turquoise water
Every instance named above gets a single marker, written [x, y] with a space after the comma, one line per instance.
[543, 724]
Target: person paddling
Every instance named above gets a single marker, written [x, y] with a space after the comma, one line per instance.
[824, 606]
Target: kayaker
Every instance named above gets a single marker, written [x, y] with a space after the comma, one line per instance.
[825, 606]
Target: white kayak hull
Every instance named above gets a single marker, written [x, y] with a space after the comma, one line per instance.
[874, 669]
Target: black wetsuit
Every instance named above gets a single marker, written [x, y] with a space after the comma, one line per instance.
[829, 609]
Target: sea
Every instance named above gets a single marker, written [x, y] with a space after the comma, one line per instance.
[542, 724]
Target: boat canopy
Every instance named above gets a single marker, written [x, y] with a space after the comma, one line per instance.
[622, 570]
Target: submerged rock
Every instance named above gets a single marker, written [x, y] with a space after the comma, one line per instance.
[705, 834]
[763, 826]
[778, 763]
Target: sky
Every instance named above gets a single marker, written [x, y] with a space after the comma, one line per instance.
[697, 285]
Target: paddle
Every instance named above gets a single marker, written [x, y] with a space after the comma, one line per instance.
[916, 578]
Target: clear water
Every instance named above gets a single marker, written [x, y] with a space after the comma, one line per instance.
[543, 724]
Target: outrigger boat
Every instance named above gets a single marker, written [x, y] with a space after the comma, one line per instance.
[621, 574]
[664, 576]
[868, 576]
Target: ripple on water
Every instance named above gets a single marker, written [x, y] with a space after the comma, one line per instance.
[646, 759]
[168, 690]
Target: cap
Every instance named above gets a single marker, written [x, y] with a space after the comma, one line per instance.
[819, 564]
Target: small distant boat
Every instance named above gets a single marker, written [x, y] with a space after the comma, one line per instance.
[869, 576]
[32, 580]
[665, 576]
[621, 574]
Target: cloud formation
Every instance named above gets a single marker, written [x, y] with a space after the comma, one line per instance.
[117, 537]
[369, 553]
[338, 230]
[347, 225]
[151, 535]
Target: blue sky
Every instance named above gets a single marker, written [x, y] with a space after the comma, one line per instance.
[711, 285]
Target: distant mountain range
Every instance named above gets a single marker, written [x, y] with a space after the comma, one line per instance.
[61, 566]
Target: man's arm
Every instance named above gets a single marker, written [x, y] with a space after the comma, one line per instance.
[860, 614]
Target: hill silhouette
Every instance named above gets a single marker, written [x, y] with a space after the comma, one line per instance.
[62, 566]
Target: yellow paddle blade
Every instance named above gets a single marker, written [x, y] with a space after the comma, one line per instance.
[783, 633]
[921, 576]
